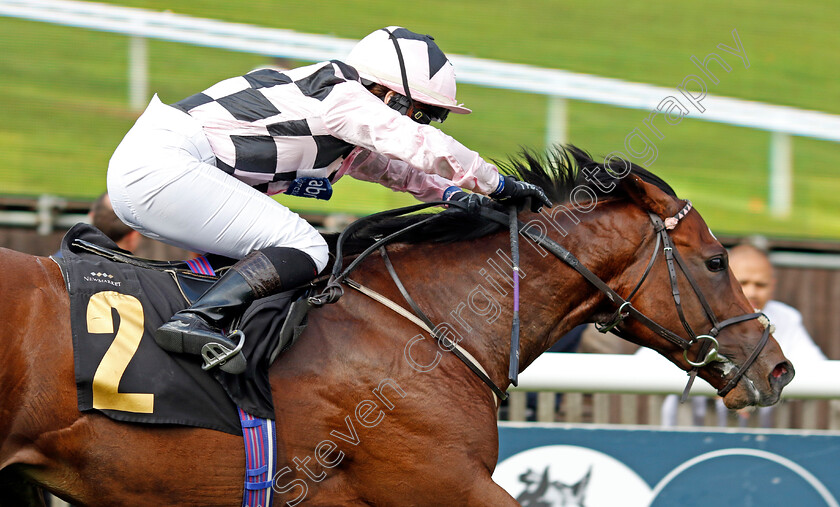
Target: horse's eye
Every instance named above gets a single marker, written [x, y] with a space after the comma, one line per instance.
[716, 264]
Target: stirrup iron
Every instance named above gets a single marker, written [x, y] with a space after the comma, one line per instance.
[216, 354]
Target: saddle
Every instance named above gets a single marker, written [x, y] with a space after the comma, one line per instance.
[192, 284]
[117, 300]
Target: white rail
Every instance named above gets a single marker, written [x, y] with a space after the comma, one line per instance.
[632, 374]
[494, 74]
[557, 84]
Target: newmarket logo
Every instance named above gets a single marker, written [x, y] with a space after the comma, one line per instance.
[101, 277]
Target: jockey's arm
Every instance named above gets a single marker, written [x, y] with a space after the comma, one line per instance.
[366, 165]
[360, 118]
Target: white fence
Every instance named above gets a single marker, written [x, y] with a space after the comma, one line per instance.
[558, 85]
[632, 374]
[606, 388]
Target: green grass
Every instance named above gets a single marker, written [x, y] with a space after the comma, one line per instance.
[63, 91]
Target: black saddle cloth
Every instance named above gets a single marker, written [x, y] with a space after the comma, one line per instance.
[133, 298]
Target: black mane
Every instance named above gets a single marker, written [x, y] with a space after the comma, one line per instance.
[562, 170]
[558, 173]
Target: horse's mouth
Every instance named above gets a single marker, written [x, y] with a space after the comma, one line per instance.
[748, 393]
[743, 395]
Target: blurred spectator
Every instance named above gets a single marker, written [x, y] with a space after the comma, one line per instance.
[754, 272]
[595, 342]
[102, 216]
[752, 268]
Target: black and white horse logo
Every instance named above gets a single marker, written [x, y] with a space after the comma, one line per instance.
[541, 491]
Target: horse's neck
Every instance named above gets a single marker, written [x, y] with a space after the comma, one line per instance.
[556, 298]
[469, 286]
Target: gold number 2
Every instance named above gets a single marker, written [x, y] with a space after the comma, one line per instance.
[106, 380]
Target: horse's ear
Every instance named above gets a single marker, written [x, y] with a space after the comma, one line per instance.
[649, 197]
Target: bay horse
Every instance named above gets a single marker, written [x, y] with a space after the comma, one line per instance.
[371, 410]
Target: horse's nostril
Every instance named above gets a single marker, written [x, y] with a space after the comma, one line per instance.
[782, 374]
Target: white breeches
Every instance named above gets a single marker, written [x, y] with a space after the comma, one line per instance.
[162, 181]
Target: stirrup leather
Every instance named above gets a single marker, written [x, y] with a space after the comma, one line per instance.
[216, 354]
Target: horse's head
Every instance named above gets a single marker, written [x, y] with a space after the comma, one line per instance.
[661, 278]
[691, 292]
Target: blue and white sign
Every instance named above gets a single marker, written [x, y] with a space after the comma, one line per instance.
[575, 465]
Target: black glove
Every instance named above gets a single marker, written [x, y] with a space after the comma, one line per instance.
[472, 201]
[515, 192]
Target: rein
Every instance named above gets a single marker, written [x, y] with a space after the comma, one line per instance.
[334, 290]
[707, 353]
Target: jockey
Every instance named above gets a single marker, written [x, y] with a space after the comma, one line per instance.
[197, 174]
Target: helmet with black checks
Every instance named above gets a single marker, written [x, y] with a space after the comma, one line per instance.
[430, 75]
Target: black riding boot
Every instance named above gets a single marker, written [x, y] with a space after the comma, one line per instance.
[256, 276]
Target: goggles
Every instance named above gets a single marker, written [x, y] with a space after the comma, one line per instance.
[425, 114]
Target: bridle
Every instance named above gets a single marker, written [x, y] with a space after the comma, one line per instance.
[709, 347]
[708, 352]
